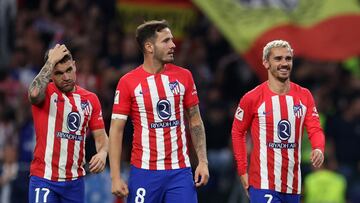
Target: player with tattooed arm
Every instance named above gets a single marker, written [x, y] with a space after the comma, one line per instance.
[63, 113]
[158, 96]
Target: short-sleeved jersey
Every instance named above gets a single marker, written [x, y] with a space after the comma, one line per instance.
[61, 123]
[156, 104]
[277, 123]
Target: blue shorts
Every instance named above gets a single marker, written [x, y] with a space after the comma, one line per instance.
[46, 191]
[271, 196]
[161, 186]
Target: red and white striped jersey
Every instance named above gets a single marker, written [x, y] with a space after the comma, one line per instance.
[277, 123]
[156, 104]
[61, 124]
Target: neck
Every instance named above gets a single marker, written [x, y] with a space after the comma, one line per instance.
[153, 66]
[279, 87]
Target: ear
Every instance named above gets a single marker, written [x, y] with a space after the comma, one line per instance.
[266, 64]
[148, 47]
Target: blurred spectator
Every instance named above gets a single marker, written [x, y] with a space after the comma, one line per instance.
[217, 45]
[344, 131]
[324, 185]
[234, 77]
[217, 127]
[86, 76]
[8, 133]
[20, 69]
[7, 24]
[8, 173]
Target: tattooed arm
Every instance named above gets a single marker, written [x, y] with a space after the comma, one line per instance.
[38, 86]
[197, 132]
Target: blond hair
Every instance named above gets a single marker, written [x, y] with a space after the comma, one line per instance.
[275, 44]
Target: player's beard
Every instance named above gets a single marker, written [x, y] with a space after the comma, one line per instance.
[282, 77]
[67, 87]
[164, 57]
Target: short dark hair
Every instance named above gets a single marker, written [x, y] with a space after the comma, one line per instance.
[148, 30]
[66, 58]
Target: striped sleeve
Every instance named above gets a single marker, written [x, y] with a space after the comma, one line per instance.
[242, 120]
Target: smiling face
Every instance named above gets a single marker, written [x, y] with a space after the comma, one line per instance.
[64, 76]
[164, 47]
[279, 63]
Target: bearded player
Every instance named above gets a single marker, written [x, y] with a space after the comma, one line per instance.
[276, 113]
[63, 113]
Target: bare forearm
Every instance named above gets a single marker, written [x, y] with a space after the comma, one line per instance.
[102, 142]
[115, 147]
[38, 86]
[199, 141]
[115, 157]
[197, 132]
[102, 147]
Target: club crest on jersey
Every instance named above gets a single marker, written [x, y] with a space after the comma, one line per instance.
[174, 87]
[298, 111]
[85, 106]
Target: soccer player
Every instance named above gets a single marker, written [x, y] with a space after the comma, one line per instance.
[63, 112]
[158, 96]
[276, 111]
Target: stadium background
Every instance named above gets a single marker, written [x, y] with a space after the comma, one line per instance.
[220, 42]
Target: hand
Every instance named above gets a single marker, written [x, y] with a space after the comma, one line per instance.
[98, 162]
[317, 158]
[201, 174]
[245, 183]
[119, 188]
[57, 53]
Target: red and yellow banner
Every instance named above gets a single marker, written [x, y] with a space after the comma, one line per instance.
[179, 13]
[316, 29]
